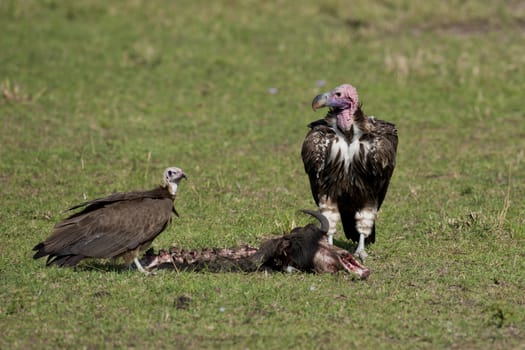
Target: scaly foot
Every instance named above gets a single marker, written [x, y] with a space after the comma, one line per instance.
[361, 254]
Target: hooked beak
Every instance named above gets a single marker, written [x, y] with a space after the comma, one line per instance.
[320, 101]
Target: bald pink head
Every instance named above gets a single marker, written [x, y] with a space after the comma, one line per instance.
[348, 92]
[342, 100]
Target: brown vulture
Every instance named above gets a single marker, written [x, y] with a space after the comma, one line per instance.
[349, 158]
[120, 225]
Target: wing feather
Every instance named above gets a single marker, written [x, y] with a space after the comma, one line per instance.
[315, 152]
[117, 197]
[113, 229]
[382, 160]
[107, 231]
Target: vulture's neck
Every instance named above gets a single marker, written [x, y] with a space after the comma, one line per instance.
[171, 188]
[350, 124]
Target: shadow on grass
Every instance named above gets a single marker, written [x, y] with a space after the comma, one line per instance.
[102, 266]
[345, 244]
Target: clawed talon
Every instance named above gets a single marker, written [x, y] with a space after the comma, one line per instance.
[142, 269]
[361, 254]
[291, 269]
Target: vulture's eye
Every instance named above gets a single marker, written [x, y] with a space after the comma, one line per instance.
[338, 94]
[170, 172]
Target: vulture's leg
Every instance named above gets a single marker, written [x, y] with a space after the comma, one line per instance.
[360, 251]
[364, 220]
[329, 209]
[140, 268]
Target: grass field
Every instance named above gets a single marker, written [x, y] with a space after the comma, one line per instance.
[97, 97]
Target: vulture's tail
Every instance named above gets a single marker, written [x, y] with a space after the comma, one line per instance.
[55, 258]
[40, 250]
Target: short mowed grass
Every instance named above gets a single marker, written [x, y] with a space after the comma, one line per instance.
[97, 97]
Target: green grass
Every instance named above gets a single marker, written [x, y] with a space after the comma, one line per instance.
[99, 96]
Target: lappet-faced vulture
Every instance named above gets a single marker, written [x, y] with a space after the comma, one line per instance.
[120, 225]
[349, 158]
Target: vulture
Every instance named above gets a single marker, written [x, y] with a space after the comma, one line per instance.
[120, 225]
[349, 158]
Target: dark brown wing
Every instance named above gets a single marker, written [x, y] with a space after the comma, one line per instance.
[95, 204]
[106, 231]
[371, 176]
[382, 158]
[315, 150]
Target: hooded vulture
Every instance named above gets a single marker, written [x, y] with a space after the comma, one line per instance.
[120, 225]
[349, 158]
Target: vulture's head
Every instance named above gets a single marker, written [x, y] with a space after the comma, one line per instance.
[172, 177]
[342, 101]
